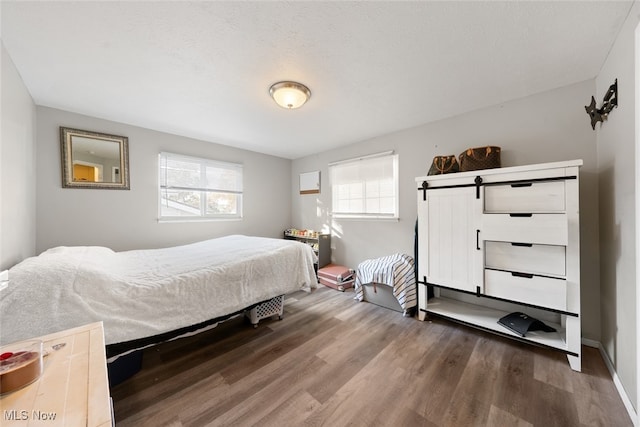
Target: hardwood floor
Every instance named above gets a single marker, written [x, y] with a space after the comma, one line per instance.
[334, 361]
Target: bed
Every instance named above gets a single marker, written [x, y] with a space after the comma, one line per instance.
[148, 296]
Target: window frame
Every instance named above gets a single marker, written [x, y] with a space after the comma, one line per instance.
[394, 158]
[204, 163]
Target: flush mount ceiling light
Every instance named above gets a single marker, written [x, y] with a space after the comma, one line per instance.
[290, 94]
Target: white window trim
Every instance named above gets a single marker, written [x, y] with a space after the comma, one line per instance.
[200, 218]
[370, 217]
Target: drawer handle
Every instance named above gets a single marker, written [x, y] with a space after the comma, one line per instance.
[520, 215]
[524, 245]
[522, 184]
[523, 275]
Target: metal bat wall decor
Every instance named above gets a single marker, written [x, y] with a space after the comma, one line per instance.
[608, 103]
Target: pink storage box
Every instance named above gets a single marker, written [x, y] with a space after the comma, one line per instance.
[336, 276]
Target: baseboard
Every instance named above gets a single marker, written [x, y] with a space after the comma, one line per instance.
[616, 380]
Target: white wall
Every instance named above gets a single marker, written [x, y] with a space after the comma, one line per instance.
[550, 126]
[637, 213]
[17, 168]
[124, 220]
[616, 171]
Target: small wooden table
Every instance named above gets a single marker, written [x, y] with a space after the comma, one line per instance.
[73, 389]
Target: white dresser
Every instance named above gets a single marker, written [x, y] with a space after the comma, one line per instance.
[497, 241]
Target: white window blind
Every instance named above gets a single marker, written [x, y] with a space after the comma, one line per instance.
[197, 188]
[366, 187]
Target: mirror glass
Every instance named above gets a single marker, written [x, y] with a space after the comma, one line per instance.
[94, 160]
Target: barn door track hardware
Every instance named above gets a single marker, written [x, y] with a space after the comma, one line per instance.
[608, 103]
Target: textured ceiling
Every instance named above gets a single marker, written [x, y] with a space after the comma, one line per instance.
[203, 69]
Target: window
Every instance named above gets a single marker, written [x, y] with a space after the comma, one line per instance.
[193, 188]
[366, 187]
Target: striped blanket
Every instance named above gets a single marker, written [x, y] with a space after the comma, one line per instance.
[396, 270]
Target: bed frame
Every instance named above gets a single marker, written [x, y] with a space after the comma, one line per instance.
[125, 359]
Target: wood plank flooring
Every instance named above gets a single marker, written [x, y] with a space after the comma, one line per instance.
[333, 361]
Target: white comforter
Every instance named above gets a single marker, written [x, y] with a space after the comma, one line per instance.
[147, 292]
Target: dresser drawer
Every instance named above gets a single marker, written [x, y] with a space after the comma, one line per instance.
[527, 258]
[545, 229]
[535, 290]
[530, 197]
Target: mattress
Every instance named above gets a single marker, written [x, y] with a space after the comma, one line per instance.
[147, 293]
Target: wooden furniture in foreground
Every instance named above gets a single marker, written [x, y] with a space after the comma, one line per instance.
[73, 389]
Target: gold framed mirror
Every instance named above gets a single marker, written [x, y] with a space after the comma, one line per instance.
[94, 160]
